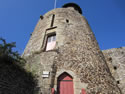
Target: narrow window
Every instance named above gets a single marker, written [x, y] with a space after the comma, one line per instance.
[51, 42]
[67, 20]
[115, 68]
[118, 82]
[52, 22]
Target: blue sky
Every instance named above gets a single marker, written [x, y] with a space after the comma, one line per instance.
[18, 19]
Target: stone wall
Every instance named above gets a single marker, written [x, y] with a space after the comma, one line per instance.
[116, 61]
[38, 63]
[76, 52]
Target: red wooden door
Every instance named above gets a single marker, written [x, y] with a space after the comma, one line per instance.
[65, 84]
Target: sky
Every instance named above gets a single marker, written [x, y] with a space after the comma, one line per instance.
[106, 18]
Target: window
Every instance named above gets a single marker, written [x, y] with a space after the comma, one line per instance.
[118, 82]
[51, 42]
[67, 20]
[115, 68]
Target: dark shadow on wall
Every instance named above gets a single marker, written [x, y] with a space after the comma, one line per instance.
[15, 80]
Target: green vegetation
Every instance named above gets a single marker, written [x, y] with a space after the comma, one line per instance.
[8, 55]
[14, 79]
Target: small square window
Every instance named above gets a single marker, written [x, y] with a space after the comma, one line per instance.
[51, 42]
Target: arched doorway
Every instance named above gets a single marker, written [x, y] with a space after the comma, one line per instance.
[65, 84]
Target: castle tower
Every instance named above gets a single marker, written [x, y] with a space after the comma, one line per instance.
[64, 54]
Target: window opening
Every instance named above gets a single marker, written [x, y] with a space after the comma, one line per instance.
[110, 59]
[51, 42]
[118, 82]
[52, 22]
[122, 52]
[115, 68]
[67, 20]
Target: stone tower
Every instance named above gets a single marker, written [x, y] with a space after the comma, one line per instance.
[64, 54]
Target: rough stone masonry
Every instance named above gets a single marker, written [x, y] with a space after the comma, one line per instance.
[76, 53]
